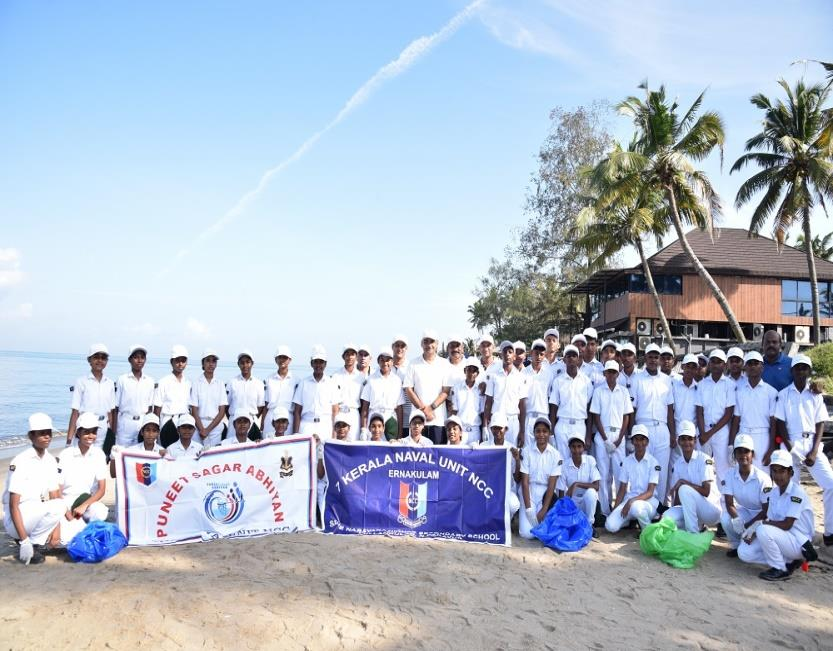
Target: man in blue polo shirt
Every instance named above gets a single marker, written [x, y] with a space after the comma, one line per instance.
[777, 366]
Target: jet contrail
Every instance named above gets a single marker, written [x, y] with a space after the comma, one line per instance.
[408, 57]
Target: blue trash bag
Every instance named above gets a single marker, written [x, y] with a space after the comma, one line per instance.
[97, 541]
[565, 528]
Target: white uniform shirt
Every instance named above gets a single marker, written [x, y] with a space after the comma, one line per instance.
[628, 381]
[32, 477]
[538, 389]
[351, 386]
[468, 403]
[611, 407]
[792, 503]
[699, 469]
[586, 473]
[400, 372]
[383, 393]
[427, 380]
[715, 398]
[231, 439]
[88, 394]
[208, 397]
[317, 398]
[595, 370]
[739, 382]
[456, 373]
[409, 442]
[140, 447]
[506, 390]
[755, 406]
[540, 466]
[746, 493]
[134, 397]
[800, 411]
[638, 474]
[172, 396]
[571, 396]
[247, 395]
[651, 396]
[177, 451]
[80, 473]
[685, 400]
[279, 392]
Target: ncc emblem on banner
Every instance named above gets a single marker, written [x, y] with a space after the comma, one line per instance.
[146, 473]
[413, 504]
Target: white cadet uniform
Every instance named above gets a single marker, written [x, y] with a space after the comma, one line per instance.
[636, 475]
[773, 546]
[515, 488]
[279, 393]
[685, 408]
[468, 405]
[427, 380]
[317, 398]
[231, 439]
[594, 370]
[350, 385]
[572, 397]
[588, 472]
[801, 412]
[715, 398]
[81, 473]
[755, 406]
[507, 390]
[140, 447]
[746, 495]
[33, 478]
[537, 394]
[694, 510]
[134, 399]
[539, 467]
[88, 394]
[400, 372]
[652, 395]
[409, 442]
[628, 381]
[383, 394]
[178, 451]
[456, 373]
[172, 397]
[246, 395]
[208, 397]
[611, 406]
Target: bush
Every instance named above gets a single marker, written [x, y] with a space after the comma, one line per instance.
[822, 357]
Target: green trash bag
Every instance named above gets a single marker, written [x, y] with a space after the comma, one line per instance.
[677, 548]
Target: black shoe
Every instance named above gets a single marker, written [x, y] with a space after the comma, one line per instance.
[720, 533]
[809, 552]
[37, 558]
[732, 553]
[828, 540]
[792, 566]
[661, 509]
[774, 574]
[595, 533]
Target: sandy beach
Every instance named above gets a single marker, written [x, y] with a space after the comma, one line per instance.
[314, 591]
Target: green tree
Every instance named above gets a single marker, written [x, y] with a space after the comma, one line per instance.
[796, 169]
[665, 147]
[822, 246]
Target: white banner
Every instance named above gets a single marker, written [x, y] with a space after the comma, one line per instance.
[238, 491]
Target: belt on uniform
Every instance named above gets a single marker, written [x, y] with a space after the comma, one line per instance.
[754, 430]
[128, 417]
[807, 435]
[345, 408]
[312, 419]
[612, 429]
[536, 414]
[570, 421]
[654, 423]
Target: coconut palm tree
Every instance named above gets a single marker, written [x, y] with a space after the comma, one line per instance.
[661, 163]
[604, 229]
[822, 246]
[796, 169]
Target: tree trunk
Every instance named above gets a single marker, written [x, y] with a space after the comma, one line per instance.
[814, 281]
[719, 296]
[649, 278]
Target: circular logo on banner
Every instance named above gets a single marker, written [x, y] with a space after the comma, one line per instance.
[224, 504]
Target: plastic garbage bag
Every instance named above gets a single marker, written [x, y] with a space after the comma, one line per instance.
[677, 548]
[97, 541]
[565, 527]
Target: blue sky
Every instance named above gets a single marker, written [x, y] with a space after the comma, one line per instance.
[132, 132]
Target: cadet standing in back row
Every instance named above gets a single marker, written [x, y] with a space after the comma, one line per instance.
[134, 398]
[95, 393]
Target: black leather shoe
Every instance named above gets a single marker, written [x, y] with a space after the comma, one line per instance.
[732, 553]
[828, 540]
[774, 574]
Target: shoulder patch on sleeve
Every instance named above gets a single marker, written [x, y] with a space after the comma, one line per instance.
[722, 482]
[796, 499]
[709, 462]
[767, 489]
[657, 468]
[11, 468]
[560, 461]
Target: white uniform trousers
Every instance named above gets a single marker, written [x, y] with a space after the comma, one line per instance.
[694, 511]
[659, 445]
[322, 493]
[471, 434]
[586, 500]
[513, 429]
[719, 444]
[641, 510]
[95, 511]
[726, 520]
[351, 415]
[39, 519]
[536, 498]
[214, 436]
[127, 431]
[323, 427]
[822, 473]
[563, 429]
[608, 465]
[514, 499]
[771, 546]
[760, 438]
[70, 529]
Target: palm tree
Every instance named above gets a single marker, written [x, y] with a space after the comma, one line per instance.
[797, 170]
[822, 246]
[661, 163]
[604, 229]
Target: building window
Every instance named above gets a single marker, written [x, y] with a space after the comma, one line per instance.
[665, 284]
[797, 299]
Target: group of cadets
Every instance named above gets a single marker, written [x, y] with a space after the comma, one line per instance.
[719, 443]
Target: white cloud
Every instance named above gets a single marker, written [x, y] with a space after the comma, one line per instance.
[145, 329]
[519, 27]
[17, 312]
[196, 328]
[10, 272]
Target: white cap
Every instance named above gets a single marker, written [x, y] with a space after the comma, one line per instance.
[97, 348]
[178, 351]
[366, 348]
[506, 344]
[486, 338]
[802, 359]
[401, 338]
[753, 355]
[349, 346]
[283, 351]
[590, 332]
[186, 419]
[686, 428]
[689, 358]
[454, 419]
[542, 419]
[519, 345]
[373, 416]
[241, 413]
[744, 441]
[134, 348]
[318, 352]
[87, 420]
[569, 348]
[472, 361]
[608, 342]
[580, 338]
[652, 348]
[416, 413]
[717, 354]
[781, 458]
[341, 418]
[280, 413]
[455, 338]
[666, 350]
[552, 331]
[39, 421]
[148, 419]
[209, 352]
[538, 343]
[575, 437]
[385, 351]
[640, 430]
[627, 346]
[498, 420]
[612, 365]
[245, 353]
[430, 333]
[734, 351]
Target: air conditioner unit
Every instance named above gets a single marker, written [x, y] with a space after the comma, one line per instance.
[644, 342]
[802, 334]
[828, 335]
[658, 329]
[757, 332]
[643, 327]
